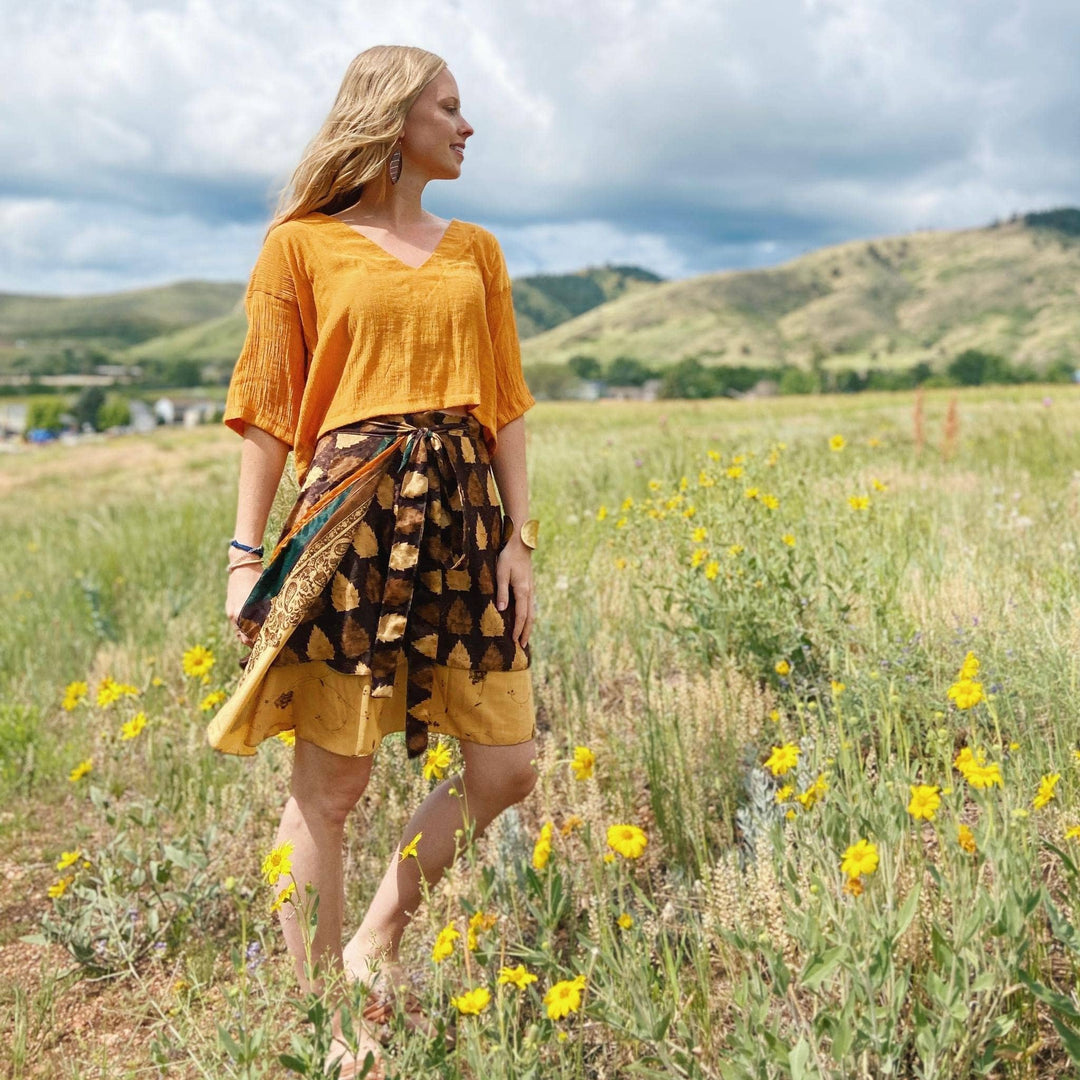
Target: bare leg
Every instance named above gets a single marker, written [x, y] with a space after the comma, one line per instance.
[494, 778]
[324, 789]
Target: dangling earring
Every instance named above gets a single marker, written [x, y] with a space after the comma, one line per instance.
[395, 165]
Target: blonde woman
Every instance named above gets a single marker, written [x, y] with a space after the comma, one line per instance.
[382, 349]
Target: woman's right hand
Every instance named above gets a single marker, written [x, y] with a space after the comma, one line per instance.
[241, 581]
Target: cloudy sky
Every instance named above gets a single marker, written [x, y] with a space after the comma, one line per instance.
[144, 141]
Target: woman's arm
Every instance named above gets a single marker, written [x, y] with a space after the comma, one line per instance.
[262, 461]
[514, 567]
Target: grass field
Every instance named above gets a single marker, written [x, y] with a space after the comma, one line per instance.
[765, 635]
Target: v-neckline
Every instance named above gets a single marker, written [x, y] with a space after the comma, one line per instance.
[389, 254]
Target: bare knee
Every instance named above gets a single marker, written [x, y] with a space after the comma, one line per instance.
[502, 787]
[327, 785]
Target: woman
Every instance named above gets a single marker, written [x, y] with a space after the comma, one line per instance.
[382, 349]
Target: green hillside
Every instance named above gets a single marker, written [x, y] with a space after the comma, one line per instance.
[1008, 288]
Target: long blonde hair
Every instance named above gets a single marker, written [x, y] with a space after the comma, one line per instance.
[354, 144]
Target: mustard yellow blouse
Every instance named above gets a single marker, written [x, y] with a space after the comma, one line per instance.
[340, 330]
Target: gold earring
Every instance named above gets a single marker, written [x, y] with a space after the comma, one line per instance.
[395, 165]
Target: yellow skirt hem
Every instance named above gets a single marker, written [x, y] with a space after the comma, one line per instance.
[337, 712]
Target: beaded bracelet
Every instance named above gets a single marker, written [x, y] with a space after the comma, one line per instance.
[230, 567]
[244, 547]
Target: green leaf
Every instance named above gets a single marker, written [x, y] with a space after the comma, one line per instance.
[1056, 1001]
[798, 1058]
[821, 967]
[907, 912]
[1069, 1038]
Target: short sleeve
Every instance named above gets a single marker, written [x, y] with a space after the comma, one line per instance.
[267, 383]
[513, 396]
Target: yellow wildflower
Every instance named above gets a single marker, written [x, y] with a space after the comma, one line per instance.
[925, 801]
[478, 923]
[625, 921]
[690, 511]
[878, 485]
[704, 479]
[627, 503]
[712, 568]
[197, 661]
[699, 534]
[516, 976]
[860, 858]
[108, 691]
[437, 762]
[542, 847]
[1046, 790]
[131, 728]
[751, 493]
[966, 839]
[735, 549]
[564, 997]
[814, 792]
[969, 668]
[286, 894]
[571, 823]
[697, 557]
[73, 694]
[583, 762]
[984, 776]
[601, 513]
[410, 848]
[789, 539]
[212, 700]
[734, 471]
[782, 759]
[472, 1002]
[782, 667]
[621, 523]
[627, 840]
[713, 454]
[966, 693]
[854, 886]
[57, 889]
[770, 502]
[785, 793]
[774, 715]
[80, 770]
[859, 502]
[444, 943]
[277, 862]
[837, 687]
[1073, 833]
[157, 680]
[621, 563]
[68, 858]
[837, 442]
[654, 485]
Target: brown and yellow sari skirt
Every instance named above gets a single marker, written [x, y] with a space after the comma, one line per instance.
[376, 612]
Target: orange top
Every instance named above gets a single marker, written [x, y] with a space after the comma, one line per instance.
[340, 330]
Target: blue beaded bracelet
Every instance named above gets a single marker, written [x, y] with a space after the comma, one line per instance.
[243, 547]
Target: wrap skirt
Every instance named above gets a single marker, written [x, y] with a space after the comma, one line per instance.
[376, 611]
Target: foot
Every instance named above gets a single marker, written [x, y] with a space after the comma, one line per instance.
[393, 988]
[353, 1065]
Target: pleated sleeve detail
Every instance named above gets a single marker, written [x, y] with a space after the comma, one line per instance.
[267, 386]
[511, 391]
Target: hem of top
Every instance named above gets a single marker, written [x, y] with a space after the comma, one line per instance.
[252, 419]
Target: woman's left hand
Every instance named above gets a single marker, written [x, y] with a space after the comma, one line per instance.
[513, 570]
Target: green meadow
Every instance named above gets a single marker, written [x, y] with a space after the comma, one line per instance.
[766, 620]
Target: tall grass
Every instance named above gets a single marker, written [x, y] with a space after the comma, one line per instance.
[682, 660]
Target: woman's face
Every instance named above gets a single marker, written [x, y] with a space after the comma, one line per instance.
[435, 131]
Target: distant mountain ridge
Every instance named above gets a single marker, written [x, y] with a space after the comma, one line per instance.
[1010, 287]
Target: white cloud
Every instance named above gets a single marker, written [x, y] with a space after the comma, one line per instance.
[143, 141]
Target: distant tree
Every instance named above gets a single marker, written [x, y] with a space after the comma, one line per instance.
[585, 367]
[45, 413]
[115, 411]
[551, 381]
[627, 371]
[87, 406]
[973, 367]
[689, 378]
[795, 380]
